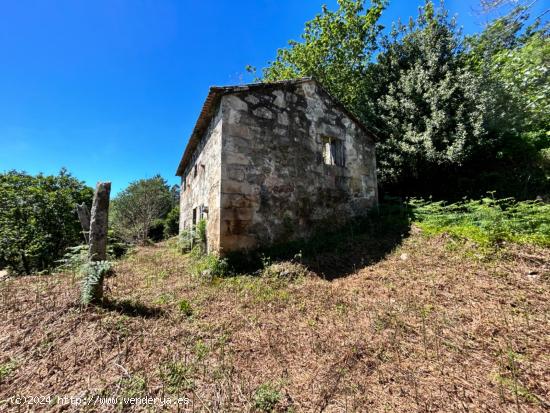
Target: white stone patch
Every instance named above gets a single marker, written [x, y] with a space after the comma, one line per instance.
[262, 112]
[282, 118]
[234, 116]
[309, 89]
[279, 98]
[252, 99]
[236, 103]
[346, 122]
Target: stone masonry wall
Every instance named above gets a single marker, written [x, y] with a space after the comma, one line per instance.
[203, 188]
[275, 184]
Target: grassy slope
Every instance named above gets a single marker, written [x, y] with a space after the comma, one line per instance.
[428, 328]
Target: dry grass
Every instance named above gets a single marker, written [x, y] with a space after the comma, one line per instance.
[430, 328]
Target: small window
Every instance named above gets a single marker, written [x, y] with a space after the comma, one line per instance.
[184, 184]
[333, 151]
[195, 171]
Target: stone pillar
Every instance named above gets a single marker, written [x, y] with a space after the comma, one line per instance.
[99, 222]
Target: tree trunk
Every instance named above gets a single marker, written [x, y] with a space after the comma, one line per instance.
[98, 231]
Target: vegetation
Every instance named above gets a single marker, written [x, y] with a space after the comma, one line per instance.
[136, 209]
[415, 315]
[93, 273]
[38, 221]
[266, 397]
[489, 222]
[469, 113]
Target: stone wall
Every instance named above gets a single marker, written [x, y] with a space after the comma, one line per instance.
[200, 184]
[275, 183]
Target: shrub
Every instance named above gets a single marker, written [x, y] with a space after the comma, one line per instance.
[209, 265]
[156, 230]
[171, 223]
[38, 221]
[193, 237]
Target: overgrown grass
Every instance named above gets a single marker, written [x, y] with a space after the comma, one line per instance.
[488, 222]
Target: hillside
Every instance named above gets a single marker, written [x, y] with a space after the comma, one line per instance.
[431, 326]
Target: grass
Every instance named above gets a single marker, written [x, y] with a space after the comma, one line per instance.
[414, 325]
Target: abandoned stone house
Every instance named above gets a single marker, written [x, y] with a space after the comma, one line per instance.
[271, 162]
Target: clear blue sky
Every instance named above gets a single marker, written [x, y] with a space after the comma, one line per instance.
[111, 89]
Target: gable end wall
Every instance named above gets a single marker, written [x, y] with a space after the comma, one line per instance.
[275, 185]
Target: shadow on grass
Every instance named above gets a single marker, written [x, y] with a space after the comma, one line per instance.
[339, 253]
[131, 308]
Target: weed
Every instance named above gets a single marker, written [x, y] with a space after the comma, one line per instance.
[185, 308]
[266, 397]
[133, 386]
[177, 376]
[93, 273]
[201, 350]
[164, 298]
[6, 369]
[209, 266]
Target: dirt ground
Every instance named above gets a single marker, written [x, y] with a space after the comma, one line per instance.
[431, 327]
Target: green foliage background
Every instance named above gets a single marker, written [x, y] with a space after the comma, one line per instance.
[453, 115]
[38, 221]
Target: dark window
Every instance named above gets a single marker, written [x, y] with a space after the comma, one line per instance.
[195, 172]
[194, 216]
[333, 151]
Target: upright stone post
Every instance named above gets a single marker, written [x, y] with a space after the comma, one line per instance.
[84, 218]
[98, 230]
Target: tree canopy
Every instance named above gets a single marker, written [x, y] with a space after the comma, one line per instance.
[38, 220]
[451, 113]
[135, 209]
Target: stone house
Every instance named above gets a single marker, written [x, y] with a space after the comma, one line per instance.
[271, 162]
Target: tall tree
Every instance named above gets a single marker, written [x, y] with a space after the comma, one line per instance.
[336, 49]
[135, 209]
[38, 219]
[430, 108]
[514, 60]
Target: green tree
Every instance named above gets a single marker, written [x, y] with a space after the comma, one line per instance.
[514, 60]
[136, 209]
[38, 221]
[430, 109]
[336, 49]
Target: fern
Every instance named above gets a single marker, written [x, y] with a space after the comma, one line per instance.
[93, 273]
[74, 259]
[487, 221]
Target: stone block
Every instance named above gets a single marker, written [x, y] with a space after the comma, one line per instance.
[235, 102]
[262, 112]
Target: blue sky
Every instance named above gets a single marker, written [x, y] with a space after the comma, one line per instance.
[111, 89]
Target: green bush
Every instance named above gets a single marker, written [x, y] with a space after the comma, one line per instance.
[488, 221]
[38, 221]
[171, 223]
[209, 264]
[156, 230]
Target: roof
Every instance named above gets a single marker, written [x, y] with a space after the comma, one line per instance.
[214, 96]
